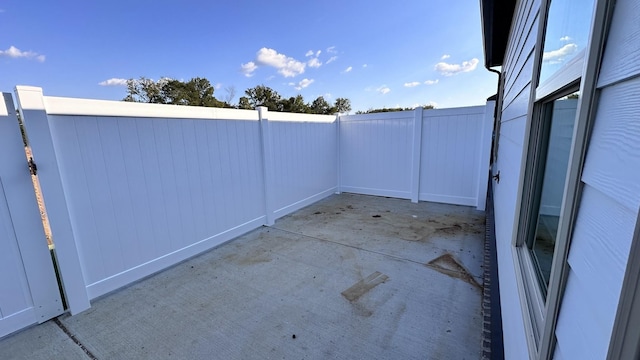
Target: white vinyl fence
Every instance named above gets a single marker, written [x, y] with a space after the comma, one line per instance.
[432, 155]
[134, 188]
[146, 186]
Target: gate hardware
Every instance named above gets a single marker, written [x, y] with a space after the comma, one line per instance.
[33, 168]
[496, 177]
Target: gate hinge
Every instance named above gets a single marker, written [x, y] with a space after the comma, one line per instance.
[33, 168]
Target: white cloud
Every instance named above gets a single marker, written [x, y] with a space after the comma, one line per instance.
[431, 82]
[218, 86]
[445, 56]
[248, 68]
[447, 69]
[364, 65]
[348, 69]
[411, 84]
[332, 50]
[287, 66]
[114, 82]
[383, 89]
[312, 53]
[557, 56]
[314, 62]
[302, 84]
[565, 38]
[14, 52]
[332, 59]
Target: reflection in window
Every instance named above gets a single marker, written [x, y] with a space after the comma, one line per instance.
[556, 145]
[567, 34]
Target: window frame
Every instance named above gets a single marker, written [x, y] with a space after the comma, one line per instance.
[540, 316]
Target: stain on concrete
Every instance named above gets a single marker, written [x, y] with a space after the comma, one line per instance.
[364, 286]
[412, 228]
[256, 255]
[448, 265]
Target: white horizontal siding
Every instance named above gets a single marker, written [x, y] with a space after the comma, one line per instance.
[505, 193]
[599, 251]
[605, 224]
[620, 59]
[518, 73]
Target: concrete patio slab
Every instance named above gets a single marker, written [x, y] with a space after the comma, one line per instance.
[42, 342]
[350, 277]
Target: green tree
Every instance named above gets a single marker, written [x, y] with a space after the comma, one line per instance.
[385, 109]
[320, 106]
[195, 92]
[342, 105]
[263, 96]
[295, 104]
[145, 90]
[243, 103]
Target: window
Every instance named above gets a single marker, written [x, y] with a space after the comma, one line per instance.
[556, 137]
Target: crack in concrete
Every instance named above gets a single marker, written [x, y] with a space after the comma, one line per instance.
[74, 339]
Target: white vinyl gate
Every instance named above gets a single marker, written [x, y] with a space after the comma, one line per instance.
[29, 292]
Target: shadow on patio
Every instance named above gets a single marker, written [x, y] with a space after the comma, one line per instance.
[350, 277]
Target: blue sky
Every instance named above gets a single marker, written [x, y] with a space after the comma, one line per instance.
[376, 53]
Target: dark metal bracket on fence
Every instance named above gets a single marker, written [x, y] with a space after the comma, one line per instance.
[33, 168]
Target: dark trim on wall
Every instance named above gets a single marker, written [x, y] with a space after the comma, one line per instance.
[492, 340]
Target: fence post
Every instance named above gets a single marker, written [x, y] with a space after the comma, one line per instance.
[338, 157]
[267, 164]
[36, 122]
[485, 156]
[416, 152]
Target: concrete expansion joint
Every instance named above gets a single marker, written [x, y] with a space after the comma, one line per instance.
[74, 339]
[350, 246]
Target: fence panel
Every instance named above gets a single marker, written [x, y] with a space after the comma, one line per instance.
[304, 160]
[452, 144]
[376, 153]
[142, 189]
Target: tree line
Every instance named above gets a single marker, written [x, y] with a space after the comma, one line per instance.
[199, 92]
[385, 109]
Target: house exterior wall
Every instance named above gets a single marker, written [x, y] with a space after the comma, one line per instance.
[517, 72]
[610, 198]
